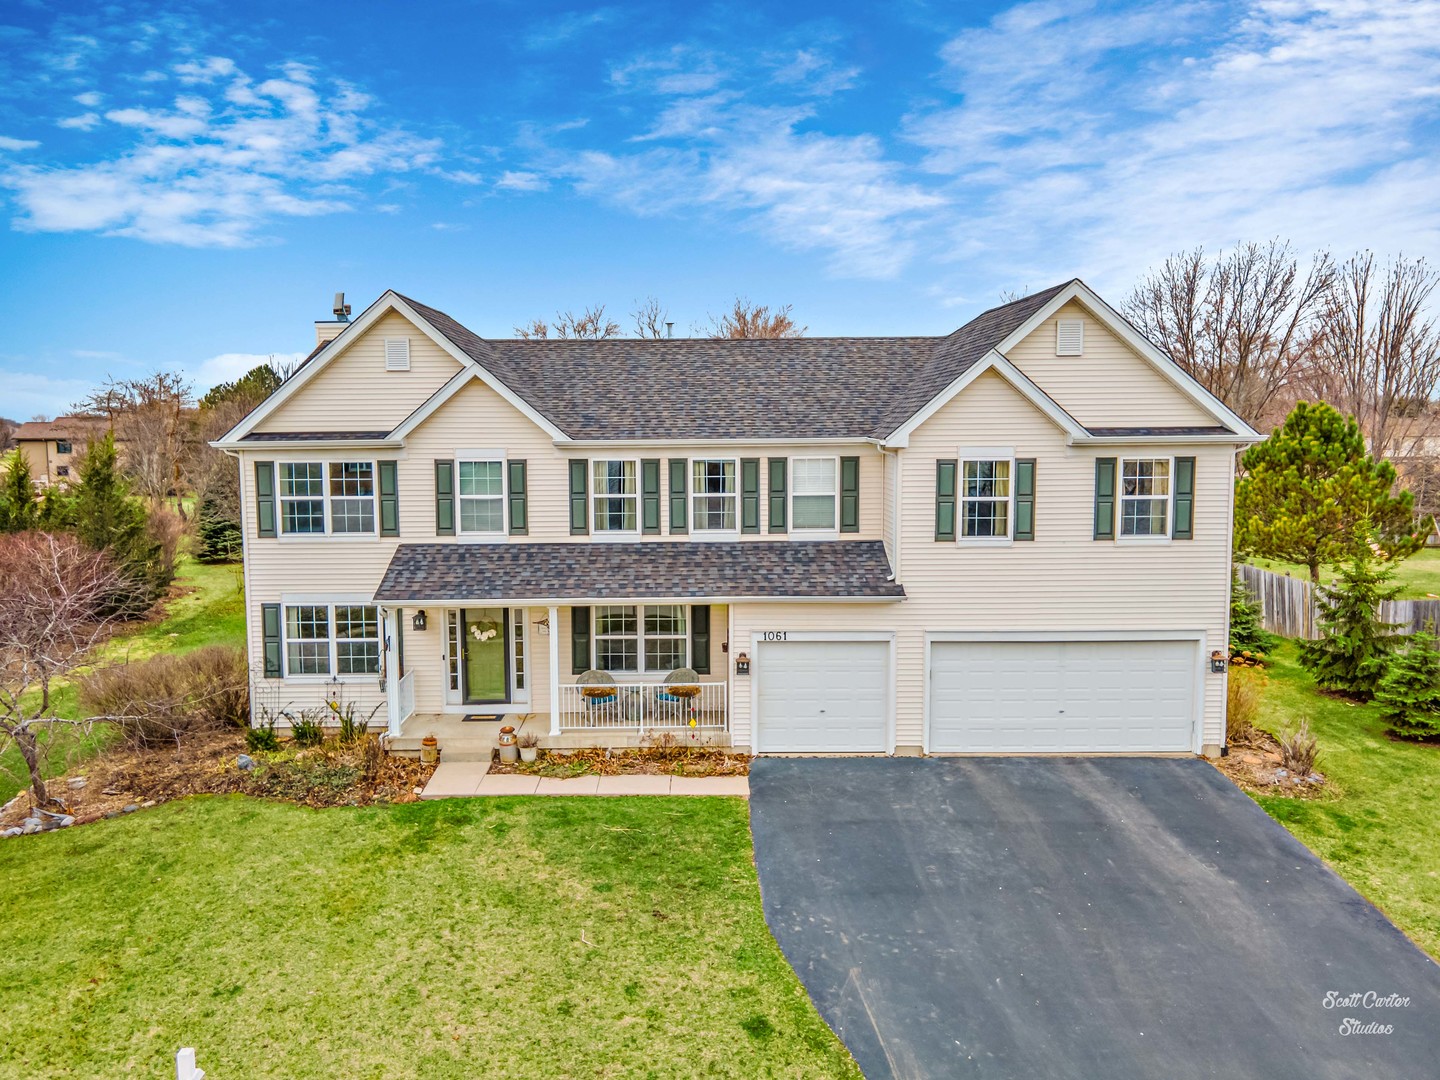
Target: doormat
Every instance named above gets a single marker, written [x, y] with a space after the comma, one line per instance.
[477, 717]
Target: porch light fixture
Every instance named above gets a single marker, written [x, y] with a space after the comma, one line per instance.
[1217, 662]
[742, 663]
[418, 620]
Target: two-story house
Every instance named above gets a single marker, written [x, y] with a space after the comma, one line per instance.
[1012, 538]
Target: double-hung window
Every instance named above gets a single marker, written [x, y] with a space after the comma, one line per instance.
[649, 637]
[62, 446]
[1145, 497]
[815, 491]
[481, 491]
[615, 497]
[985, 492]
[333, 640]
[713, 495]
[316, 498]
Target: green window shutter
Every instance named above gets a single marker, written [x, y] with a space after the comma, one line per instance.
[650, 496]
[849, 494]
[579, 640]
[519, 508]
[579, 497]
[779, 468]
[700, 639]
[1025, 499]
[444, 498]
[750, 495]
[389, 498]
[270, 625]
[1184, 527]
[679, 487]
[1105, 498]
[265, 498]
[945, 499]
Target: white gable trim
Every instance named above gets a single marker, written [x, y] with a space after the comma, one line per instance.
[1121, 328]
[992, 361]
[387, 303]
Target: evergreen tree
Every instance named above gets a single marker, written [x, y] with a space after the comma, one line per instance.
[1409, 695]
[220, 539]
[57, 509]
[108, 518]
[18, 508]
[1248, 637]
[1355, 647]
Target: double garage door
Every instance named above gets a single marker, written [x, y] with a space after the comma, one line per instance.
[984, 696]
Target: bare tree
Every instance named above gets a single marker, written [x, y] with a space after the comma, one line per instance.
[1377, 356]
[151, 421]
[652, 319]
[57, 604]
[1242, 325]
[7, 433]
[591, 324]
[747, 320]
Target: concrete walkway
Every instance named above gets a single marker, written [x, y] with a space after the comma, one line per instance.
[461, 779]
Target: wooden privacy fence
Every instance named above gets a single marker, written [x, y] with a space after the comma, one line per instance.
[1288, 608]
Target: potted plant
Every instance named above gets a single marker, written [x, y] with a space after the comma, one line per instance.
[529, 744]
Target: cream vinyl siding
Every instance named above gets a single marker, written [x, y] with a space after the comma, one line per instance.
[1063, 580]
[1109, 386]
[354, 392]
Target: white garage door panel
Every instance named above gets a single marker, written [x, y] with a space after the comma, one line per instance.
[1045, 696]
[822, 696]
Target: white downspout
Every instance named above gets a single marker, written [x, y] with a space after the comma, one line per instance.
[554, 618]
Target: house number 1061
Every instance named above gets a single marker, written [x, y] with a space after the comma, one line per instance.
[773, 635]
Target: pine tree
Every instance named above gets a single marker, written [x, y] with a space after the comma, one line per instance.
[18, 508]
[108, 518]
[1409, 695]
[1248, 637]
[1354, 647]
[220, 539]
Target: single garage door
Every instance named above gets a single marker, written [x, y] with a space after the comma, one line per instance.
[1047, 696]
[822, 697]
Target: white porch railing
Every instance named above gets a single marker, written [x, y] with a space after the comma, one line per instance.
[407, 696]
[643, 707]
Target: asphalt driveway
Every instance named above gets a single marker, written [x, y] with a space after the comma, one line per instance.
[1076, 917]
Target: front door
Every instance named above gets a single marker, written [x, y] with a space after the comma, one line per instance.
[485, 651]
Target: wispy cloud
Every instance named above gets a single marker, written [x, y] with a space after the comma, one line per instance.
[227, 367]
[512, 180]
[559, 30]
[7, 143]
[29, 394]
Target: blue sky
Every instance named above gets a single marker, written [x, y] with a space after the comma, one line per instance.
[185, 185]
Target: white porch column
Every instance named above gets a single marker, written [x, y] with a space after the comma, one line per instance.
[554, 617]
[392, 672]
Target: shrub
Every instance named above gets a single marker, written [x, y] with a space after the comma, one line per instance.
[1409, 696]
[1249, 639]
[1355, 647]
[262, 736]
[169, 696]
[306, 729]
[1244, 693]
[1299, 750]
[353, 726]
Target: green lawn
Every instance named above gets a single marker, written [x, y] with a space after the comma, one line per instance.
[1382, 831]
[1419, 575]
[211, 613]
[483, 937]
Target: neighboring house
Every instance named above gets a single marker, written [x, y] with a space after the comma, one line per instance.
[53, 447]
[1012, 538]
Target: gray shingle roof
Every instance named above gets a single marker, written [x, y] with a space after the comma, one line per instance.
[698, 388]
[429, 573]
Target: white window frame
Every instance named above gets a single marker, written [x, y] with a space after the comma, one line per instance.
[640, 638]
[596, 496]
[1121, 499]
[825, 531]
[482, 457]
[975, 455]
[326, 498]
[329, 603]
[733, 496]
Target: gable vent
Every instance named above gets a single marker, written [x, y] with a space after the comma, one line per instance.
[1070, 337]
[397, 354]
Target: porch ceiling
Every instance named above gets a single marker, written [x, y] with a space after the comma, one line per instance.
[579, 572]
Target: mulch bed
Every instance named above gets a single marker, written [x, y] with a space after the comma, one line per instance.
[123, 779]
[1256, 766]
[647, 760]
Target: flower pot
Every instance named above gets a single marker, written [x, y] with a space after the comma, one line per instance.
[529, 753]
[429, 750]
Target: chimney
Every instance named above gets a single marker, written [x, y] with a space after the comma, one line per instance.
[329, 329]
